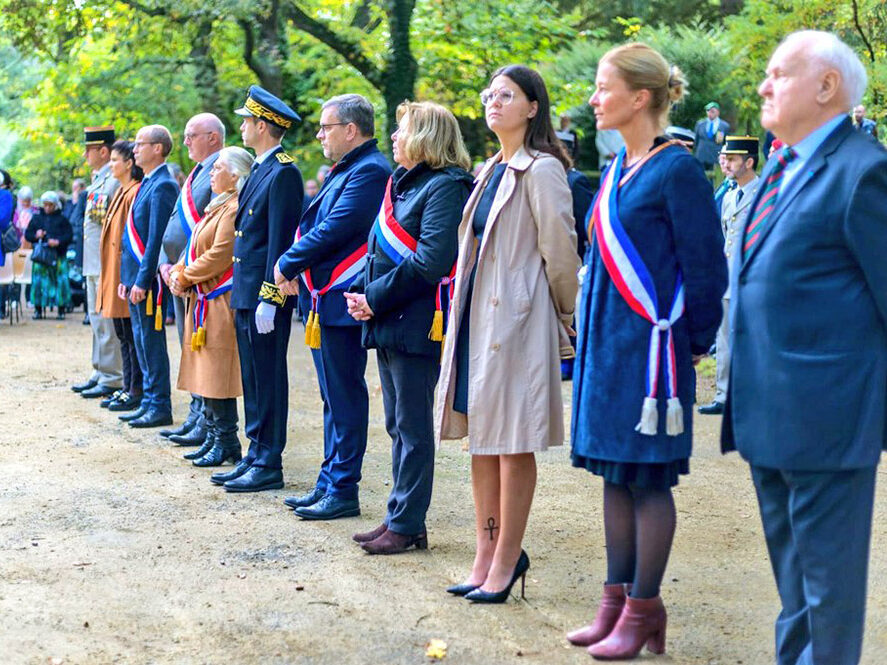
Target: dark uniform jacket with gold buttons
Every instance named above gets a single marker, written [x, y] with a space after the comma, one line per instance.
[267, 216]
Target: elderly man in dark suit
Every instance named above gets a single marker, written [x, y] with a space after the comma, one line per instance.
[807, 398]
[139, 280]
[204, 137]
[710, 133]
[327, 256]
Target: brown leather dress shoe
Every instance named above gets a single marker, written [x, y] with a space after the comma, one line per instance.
[370, 535]
[391, 542]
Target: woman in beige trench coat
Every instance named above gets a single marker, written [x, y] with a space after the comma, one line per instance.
[210, 365]
[510, 324]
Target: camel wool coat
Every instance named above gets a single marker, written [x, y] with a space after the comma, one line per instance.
[521, 311]
[214, 369]
[107, 303]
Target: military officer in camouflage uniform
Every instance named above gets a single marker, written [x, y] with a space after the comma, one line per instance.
[107, 375]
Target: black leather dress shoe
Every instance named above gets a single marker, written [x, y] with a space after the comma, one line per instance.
[138, 413]
[113, 397]
[330, 507]
[239, 469]
[714, 409]
[126, 402]
[195, 437]
[305, 500]
[187, 426]
[97, 391]
[152, 418]
[256, 479]
[86, 385]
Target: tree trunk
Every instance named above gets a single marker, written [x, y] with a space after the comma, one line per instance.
[399, 82]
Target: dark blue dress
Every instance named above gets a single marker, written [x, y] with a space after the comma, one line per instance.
[668, 212]
[478, 224]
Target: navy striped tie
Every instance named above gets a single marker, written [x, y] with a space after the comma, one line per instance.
[767, 202]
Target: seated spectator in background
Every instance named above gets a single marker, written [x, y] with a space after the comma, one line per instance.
[23, 214]
[49, 285]
[862, 123]
[608, 143]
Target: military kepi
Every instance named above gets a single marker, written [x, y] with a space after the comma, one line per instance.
[740, 145]
[98, 135]
[263, 105]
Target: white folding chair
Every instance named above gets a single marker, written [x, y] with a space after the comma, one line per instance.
[7, 277]
[23, 268]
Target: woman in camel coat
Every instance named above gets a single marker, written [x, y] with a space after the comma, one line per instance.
[210, 364]
[108, 303]
[509, 325]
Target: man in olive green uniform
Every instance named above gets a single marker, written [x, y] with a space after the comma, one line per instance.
[107, 375]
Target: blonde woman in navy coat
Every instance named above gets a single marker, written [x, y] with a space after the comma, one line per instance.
[651, 305]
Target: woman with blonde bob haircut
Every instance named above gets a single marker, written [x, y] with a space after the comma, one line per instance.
[210, 364]
[650, 307]
[402, 298]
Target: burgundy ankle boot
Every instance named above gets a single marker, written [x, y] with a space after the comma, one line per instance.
[612, 602]
[642, 622]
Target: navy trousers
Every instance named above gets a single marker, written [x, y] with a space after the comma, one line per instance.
[341, 362]
[818, 527]
[265, 384]
[408, 383]
[152, 356]
[196, 408]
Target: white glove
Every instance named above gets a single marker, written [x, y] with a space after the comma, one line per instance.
[265, 317]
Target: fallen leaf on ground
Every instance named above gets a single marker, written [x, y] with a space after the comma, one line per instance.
[436, 649]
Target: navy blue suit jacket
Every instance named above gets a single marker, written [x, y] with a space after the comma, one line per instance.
[151, 210]
[268, 211]
[337, 223]
[808, 375]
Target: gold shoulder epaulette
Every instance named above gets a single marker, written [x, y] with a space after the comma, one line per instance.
[284, 158]
[272, 294]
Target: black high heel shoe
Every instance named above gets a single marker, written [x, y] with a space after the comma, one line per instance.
[462, 589]
[520, 570]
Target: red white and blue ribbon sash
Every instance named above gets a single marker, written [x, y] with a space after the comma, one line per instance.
[225, 284]
[394, 240]
[343, 274]
[189, 216]
[133, 240]
[634, 283]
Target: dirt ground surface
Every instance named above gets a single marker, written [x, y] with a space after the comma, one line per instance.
[115, 550]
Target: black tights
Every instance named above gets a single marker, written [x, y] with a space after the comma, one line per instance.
[639, 526]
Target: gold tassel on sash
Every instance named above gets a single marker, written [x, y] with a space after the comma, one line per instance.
[194, 341]
[309, 326]
[436, 332]
[201, 337]
[315, 332]
[158, 318]
[149, 304]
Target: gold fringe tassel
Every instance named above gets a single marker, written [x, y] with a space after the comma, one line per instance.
[309, 326]
[436, 332]
[315, 332]
[149, 304]
[158, 318]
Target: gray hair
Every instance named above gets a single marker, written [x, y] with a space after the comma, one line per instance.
[832, 52]
[25, 193]
[239, 163]
[356, 109]
[51, 197]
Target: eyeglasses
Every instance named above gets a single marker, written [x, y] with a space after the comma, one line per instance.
[191, 136]
[504, 95]
[324, 128]
[137, 143]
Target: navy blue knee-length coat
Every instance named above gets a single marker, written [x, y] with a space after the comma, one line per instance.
[667, 209]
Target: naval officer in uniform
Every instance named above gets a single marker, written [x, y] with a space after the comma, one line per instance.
[269, 207]
[739, 157]
[204, 137]
[107, 364]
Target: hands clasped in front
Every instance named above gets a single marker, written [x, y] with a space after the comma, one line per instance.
[358, 307]
[288, 287]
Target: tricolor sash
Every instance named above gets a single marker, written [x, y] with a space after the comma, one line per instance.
[226, 282]
[342, 276]
[189, 217]
[635, 284]
[398, 245]
[133, 240]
